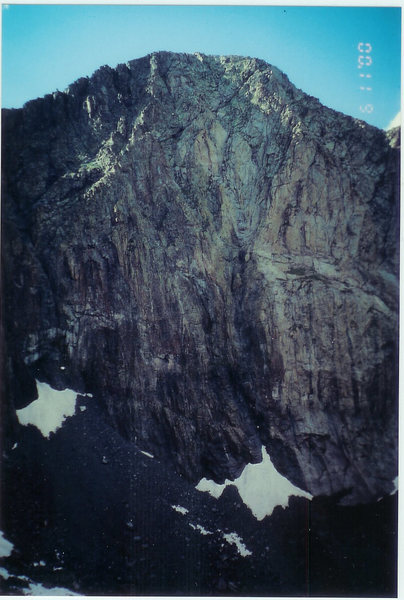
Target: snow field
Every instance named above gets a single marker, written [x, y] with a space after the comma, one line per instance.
[261, 487]
[51, 408]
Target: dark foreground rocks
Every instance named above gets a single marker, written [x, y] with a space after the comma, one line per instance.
[88, 512]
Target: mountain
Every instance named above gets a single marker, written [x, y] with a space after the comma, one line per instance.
[212, 255]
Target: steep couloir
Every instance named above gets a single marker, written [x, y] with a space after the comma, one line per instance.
[214, 255]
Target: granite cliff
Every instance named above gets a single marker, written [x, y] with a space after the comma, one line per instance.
[213, 255]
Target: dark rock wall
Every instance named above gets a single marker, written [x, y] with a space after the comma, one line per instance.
[212, 253]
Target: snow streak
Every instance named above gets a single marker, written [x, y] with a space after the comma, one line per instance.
[233, 538]
[147, 453]
[180, 509]
[201, 529]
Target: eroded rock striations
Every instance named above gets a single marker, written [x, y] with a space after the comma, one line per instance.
[213, 254]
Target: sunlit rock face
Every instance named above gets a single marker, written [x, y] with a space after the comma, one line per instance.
[213, 254]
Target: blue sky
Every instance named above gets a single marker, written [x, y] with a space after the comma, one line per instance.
[46, 47]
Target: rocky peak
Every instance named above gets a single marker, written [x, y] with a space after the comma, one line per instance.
[213, 254]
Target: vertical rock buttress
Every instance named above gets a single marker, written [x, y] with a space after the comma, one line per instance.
[213, 254]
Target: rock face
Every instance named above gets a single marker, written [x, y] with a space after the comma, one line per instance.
[213, 254]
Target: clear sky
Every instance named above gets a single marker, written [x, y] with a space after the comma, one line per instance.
[46, 47]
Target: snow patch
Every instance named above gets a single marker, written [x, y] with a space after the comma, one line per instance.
[59, 555]
[147, 453]
[83, 408]
[233, 538]
[180, 509]
[50, 410]
[395, 483]
[261, 487]
[6, 547]
[4, 573]
[14, 446]
[62, 368]
[201, 529]
[37, 589]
